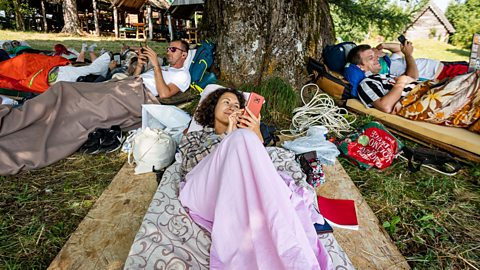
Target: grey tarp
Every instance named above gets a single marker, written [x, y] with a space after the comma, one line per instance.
[56, 123]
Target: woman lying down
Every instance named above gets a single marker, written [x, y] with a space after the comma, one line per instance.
[233, 190]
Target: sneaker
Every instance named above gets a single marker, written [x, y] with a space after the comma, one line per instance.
[113, 140]
[92, 47]
[95, 139]
[102, 51]
[84, 47]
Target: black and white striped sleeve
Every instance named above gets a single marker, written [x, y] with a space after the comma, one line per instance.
[370, 90]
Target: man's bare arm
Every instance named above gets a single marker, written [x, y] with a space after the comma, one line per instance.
[412, 70]
[387, 102]
[392, 47]
[164, 90]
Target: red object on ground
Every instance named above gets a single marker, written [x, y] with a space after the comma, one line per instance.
[339, 213]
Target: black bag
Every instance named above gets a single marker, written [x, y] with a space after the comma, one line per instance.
[442, 161]
[336, 87]
[312, 167]
[268, 134]
[335, 56]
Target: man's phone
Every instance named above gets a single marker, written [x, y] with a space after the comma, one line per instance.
[254, 104]
[117, 59]
[402, 39]
[142, 46]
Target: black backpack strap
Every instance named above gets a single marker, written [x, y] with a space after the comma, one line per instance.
[314, 65]
[425, 156]
[408, 152]
[268, 134]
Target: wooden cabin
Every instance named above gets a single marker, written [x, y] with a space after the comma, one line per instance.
[430, 23]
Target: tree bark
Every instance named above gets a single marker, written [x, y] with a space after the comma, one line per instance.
[70, 17]
[44, 17]
[258, 39]
[115, 21]
[20, 24]
[150, 22]
[95, 18]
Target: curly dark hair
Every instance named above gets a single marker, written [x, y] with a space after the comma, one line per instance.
[205, 114]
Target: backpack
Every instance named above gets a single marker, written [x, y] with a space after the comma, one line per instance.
[268, 134]
[201, 63]
[441, 161]
[335, 86]
[335, 56]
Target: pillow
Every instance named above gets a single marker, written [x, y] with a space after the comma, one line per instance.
[354, 75]
[188, 61]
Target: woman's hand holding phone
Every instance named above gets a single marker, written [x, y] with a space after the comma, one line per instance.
[251, 122]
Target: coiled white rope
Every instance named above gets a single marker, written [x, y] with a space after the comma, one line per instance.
[321, 110]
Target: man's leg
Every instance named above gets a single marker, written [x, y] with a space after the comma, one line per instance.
[98, 67]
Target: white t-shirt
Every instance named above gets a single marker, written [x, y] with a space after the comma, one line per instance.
[178, 76]
[427, 68]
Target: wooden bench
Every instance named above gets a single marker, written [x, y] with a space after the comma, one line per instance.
[103, 238]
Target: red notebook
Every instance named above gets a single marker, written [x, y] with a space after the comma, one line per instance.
[339, 213]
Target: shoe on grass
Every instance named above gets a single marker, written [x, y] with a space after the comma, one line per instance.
[92, 47]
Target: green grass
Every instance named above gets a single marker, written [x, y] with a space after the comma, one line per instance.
[45, 41]
[280, 100]
[40, 209]
[433, 219]
[434, 49]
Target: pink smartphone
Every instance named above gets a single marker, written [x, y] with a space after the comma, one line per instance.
[254, 103]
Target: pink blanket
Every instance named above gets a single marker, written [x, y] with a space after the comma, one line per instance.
[256, 220]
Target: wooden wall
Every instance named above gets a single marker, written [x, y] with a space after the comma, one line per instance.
[425, 26]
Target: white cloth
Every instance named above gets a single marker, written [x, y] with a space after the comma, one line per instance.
[178, 76]
[427, 68]
[97, 67]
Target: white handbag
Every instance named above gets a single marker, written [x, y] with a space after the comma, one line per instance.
[167, 117]
[152, 149]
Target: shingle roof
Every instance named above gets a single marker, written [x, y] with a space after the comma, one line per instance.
[438, 13]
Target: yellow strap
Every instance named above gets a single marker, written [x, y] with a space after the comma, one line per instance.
[196, 87]
[33, 78]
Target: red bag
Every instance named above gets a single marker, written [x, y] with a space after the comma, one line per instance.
[371, 146]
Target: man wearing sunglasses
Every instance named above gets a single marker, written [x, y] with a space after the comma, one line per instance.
[165, 82]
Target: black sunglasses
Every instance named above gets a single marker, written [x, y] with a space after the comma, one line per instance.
[174, 49]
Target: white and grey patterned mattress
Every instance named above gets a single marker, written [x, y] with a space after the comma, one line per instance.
[169, 239]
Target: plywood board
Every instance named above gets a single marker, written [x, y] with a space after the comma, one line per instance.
[458, 141]
[103, 238]
[370, 247]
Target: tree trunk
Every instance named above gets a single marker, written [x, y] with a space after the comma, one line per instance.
[44, 17]
[115, 21]
[95, 18]
[70, 16]
[257, 39]
[20, 24]
[150, 22]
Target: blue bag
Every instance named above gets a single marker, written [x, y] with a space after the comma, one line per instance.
[335, 56]
[201, 63]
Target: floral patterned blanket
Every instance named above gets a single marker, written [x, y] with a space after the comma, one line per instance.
[450, 103]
